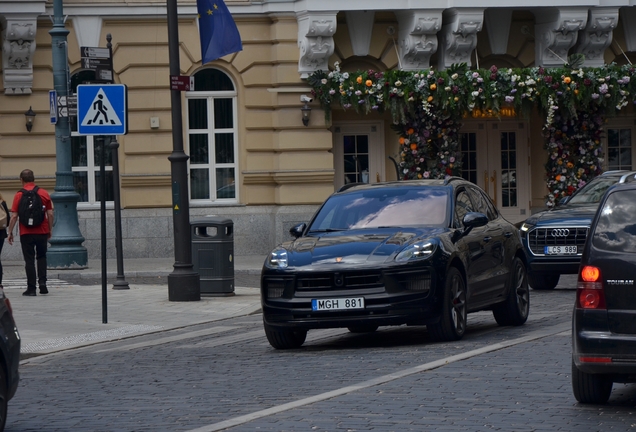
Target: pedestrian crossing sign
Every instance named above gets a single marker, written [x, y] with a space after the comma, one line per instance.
[101, 109]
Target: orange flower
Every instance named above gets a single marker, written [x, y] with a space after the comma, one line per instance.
[369, 83]
[402, 140]
[559, 162]
[570, 165]
[410, 131]
[430, 99]
[576, 91]
[413, 146]
[359, 80]
[433, 86]
[558, 177]
[567, 80]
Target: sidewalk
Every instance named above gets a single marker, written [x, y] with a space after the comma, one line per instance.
[71, 315]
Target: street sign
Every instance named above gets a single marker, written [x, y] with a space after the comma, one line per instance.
[62, 109]
[71, 103]
[53, 106]
[181, 83]
[95, 63]
[104, 74]
[95, 52]
[101, 109]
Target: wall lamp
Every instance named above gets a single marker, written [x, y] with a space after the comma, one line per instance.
[30, 116]
[306, 109]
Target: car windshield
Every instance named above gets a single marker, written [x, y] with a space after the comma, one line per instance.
[383, 207]
[593, 191]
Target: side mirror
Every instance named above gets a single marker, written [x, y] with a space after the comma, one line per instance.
[298, 230]
[473, 220]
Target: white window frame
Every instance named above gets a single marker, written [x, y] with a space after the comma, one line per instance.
[212, 166]
[92, 170]
[618, 124]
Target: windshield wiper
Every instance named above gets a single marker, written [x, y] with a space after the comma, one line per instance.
[327, 230]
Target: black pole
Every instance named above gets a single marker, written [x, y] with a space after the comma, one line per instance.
[120, 282]
[183, 282]
[102, 181]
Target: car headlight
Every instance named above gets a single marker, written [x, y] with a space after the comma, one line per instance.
[417, 251]
[277, 259]
[525, 227]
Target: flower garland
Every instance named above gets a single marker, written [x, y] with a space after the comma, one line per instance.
[429, 145]
[435, 101]
[575, 153]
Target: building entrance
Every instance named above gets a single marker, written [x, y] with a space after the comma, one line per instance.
[495, 157]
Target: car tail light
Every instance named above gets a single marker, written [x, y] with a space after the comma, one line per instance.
[8, 303]
[589, 291]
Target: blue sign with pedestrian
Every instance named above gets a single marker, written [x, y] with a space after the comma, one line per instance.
[53, 106]
[101, 109]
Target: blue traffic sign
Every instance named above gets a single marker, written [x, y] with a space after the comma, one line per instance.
[53, 106]
[102, 109]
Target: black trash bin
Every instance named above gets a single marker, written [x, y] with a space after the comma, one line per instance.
[213, 255]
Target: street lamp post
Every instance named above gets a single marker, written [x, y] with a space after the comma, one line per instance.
[66, 249]
[183, 282]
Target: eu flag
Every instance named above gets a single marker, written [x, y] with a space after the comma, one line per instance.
[217, 30]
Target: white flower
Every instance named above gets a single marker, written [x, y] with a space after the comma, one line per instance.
[345, 75]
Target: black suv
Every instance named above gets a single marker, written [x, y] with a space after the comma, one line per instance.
[554, 239]
[423, 252]
[603, 330]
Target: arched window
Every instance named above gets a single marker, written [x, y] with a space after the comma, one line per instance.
[212, 137]
[86, 155]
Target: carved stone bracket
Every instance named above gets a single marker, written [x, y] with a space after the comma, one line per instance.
[556, 31]
[315, 40]
[18, 46]
[418, 37]
[458, 37]
[597, 36]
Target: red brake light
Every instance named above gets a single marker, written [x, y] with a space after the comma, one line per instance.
[590, 274]
[589, 292]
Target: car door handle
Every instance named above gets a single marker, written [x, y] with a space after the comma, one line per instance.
[487, 239]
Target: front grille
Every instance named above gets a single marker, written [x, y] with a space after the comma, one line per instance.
[556, 236]
[339, 281]
[275, 285]
[418, 284]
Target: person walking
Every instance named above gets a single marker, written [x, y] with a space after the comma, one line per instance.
[33, 209]
[4, 217]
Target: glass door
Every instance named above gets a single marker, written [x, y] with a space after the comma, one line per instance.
[358, 153]
[495, 157]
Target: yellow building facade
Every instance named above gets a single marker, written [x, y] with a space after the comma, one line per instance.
[251, 157]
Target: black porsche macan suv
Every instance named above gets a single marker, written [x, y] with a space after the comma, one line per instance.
[554, 239]
[422, 252]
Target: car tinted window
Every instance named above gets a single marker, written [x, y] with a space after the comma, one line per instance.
[616, 227]
[463, 205]
[593, 191]
[483, 204]
[372, 208]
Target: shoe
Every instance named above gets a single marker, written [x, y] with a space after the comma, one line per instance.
[43, 290]
[30, 293]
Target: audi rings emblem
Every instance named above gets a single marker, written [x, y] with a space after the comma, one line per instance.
[560, 232]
